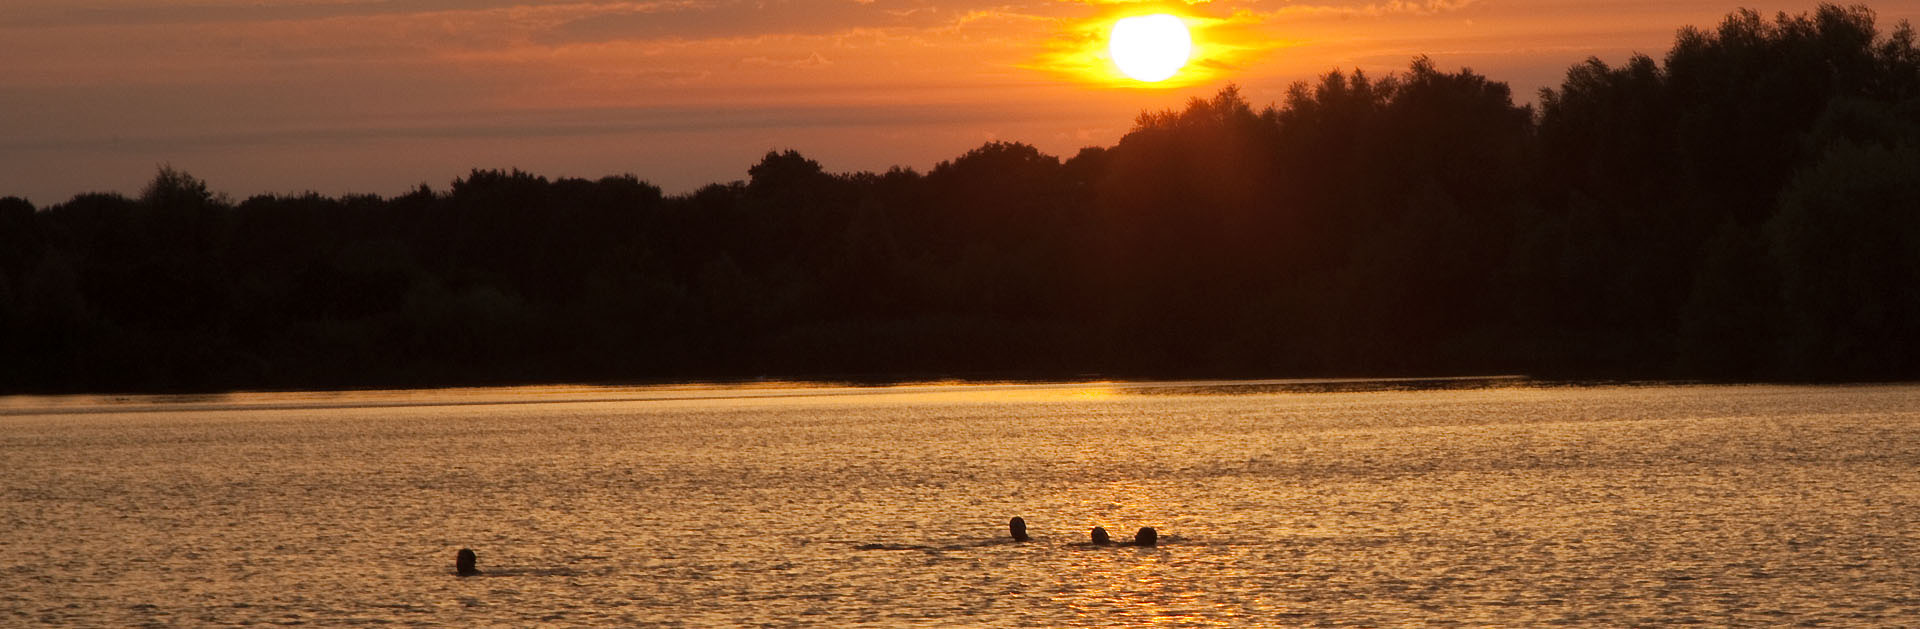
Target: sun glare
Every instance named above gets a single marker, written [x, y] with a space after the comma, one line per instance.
[1150, 48]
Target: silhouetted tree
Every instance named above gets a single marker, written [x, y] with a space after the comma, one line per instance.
[1847, 238]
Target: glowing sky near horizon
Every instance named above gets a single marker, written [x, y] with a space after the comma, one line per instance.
[375, 96]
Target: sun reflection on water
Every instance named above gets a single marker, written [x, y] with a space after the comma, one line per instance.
[1130, 585]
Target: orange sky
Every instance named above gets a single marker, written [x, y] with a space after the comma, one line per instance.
[376, 96]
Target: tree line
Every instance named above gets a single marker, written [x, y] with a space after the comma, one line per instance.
[1746, 208]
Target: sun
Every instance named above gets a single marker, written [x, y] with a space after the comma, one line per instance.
[1150, 48]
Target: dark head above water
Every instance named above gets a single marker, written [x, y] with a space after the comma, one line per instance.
[1146, 537]
[1018, 527]
[463, 564]
[1100, 536]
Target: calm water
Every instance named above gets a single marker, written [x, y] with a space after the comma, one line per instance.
[1510, 506]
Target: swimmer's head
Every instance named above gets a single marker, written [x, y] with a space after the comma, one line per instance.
[1100, 536]
[1018, 527]
[463, 563]
[1146, 537]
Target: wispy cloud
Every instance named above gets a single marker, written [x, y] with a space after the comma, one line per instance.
[811, 60]
[59, 13]
[745, 18]
[545, 124]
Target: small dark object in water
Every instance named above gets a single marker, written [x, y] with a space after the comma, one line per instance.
[1100, 536]
[1146, 537]
[463, 565]
[1018, 527]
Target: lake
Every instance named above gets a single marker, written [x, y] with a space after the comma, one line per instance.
[1500, 502]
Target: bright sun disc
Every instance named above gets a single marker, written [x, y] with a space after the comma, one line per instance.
[1150, 48]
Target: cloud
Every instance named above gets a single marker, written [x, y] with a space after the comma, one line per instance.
[811, 60]
[551, 124]
[1369, 8]
[724, 19]
[61, 13]
[1374, 9]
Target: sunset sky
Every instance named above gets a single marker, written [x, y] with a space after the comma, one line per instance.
[376, 96]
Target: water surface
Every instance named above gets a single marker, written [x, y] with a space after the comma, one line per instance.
[1499, 503]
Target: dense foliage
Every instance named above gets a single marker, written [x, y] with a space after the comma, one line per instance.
[1748, 208]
